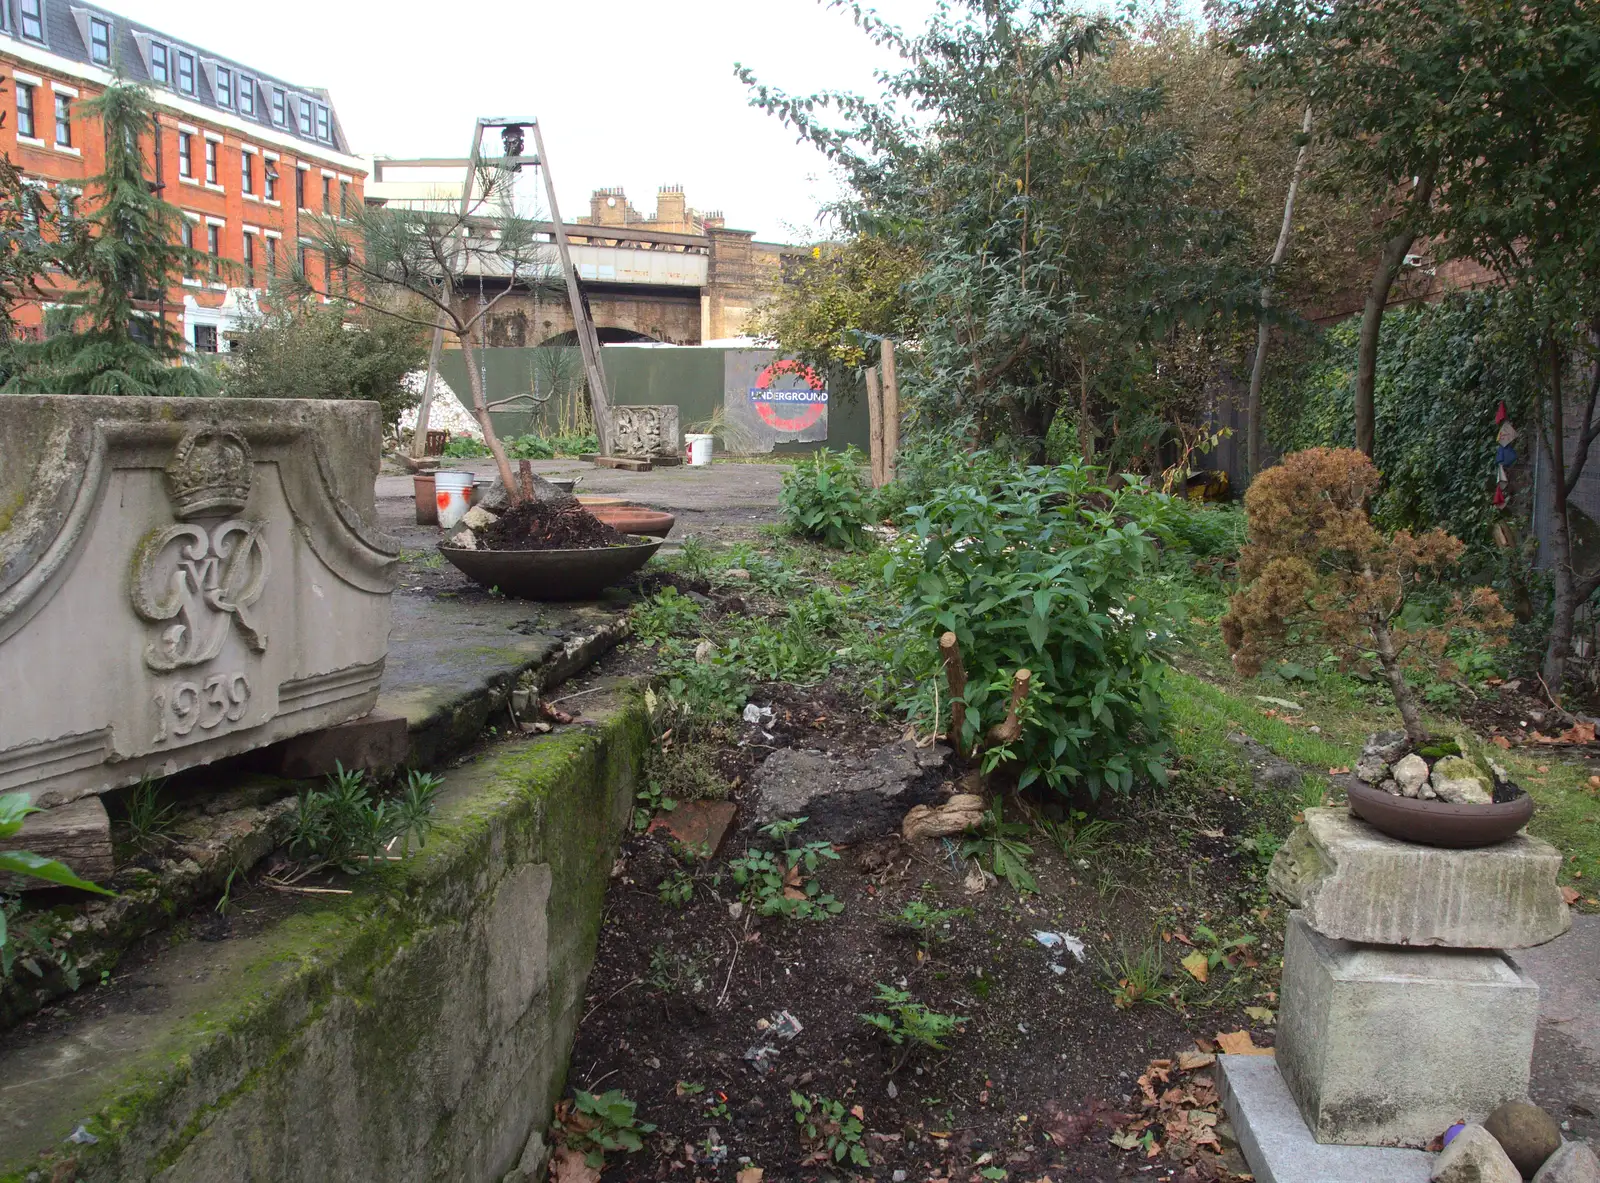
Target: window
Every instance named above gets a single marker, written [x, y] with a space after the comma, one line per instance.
[214, 249]
[224, 86]
[186, 72]
[185, 154]
[327, 195]
[344, 199]
[205, 338]
[269, 178]
[272, 255]
[158, 62]
[247, 95]
[280, 107]
[305, 117]
[188, 245]
[324, 124]
[247, 172]
[211, 162]
[248, 256]
[99, 41]
[25, 124]
[33, 20]
[299, 188]
[63, 121]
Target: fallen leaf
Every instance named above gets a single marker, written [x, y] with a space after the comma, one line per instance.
[1124, 1140]
[1341, 770]
[1195, 963]
[1594, 782]
[1205, 1045]
[1579, 733]
[1570, 895]
[1260, 1014]
[568, 1166]
[1501, 742]
[1189, 1061]
[858, 1112]
[749, 1175]
[1239, 1043]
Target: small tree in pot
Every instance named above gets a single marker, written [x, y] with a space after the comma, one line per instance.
[1316, 564]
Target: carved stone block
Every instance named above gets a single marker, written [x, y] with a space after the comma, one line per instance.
[645, 431]
[182, 580]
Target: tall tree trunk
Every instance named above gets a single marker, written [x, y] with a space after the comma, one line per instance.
[1263, 330]
[1564, 602]
[480, 410]
[1394, 254]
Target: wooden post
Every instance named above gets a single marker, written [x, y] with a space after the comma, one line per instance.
[891, 412]
[419, 437]
[955, 672]
[874, 426]
[588, 340]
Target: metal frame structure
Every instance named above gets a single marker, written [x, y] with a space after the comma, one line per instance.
[511, 132]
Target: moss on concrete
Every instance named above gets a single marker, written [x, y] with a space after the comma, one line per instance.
[373, 1028]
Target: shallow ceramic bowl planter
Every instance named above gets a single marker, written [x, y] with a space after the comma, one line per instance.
[557, 575]
[1439, 823]
[634, 519]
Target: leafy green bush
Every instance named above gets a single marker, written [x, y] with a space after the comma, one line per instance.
[1044, 569]
[595, 1124]
[825, 499]
[344, 827]
[464, 447]
[1204, 531]
[910, 1025]
[530, 447]
[828, 1126]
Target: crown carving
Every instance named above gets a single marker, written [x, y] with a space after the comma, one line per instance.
[210, 473]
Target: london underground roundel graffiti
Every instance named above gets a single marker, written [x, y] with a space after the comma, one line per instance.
[793, 408]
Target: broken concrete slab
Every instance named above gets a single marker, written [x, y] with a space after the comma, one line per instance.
[1278, 1145]
[1357, 884]
[1388, 1046]
[847, 799]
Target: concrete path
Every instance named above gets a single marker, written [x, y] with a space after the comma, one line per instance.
[1566, 1054]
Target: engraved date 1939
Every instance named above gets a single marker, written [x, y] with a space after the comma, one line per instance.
[183, 706]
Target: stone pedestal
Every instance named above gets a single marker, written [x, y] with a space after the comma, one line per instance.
[1388, 1046]
[182, 580]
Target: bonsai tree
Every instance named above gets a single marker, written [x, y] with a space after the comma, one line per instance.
[1315, 564]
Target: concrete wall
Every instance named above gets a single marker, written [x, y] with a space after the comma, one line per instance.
[416, 1030]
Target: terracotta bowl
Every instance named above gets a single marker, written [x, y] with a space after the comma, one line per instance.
[634, 519]
[552, 574]
[1438, 823]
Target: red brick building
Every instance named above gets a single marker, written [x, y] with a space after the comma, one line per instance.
[242, 153]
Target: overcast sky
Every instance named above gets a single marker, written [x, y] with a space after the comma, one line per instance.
[629, 92]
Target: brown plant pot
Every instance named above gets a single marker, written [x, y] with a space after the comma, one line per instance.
[552, 574]
[1438, 823]
[427, 503]
[634, 519]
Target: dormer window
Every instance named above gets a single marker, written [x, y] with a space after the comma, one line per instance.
[280, 107]
[99, 41]
[224, 86]
[32, 12]
[247, 95]
[324, 124]
[305, 117]
[159, 69]
[186, 72]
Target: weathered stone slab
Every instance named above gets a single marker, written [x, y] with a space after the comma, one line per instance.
[78, 834]
[1389, 1046]
[1280, 1149]
[1354, 883]
[181, 580]
[646, 431]
[846, 799]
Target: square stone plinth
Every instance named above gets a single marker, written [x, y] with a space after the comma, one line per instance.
[1280, 1149]
[1388, 1047]
[1354, 883]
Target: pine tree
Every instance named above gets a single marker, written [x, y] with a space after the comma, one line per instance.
[120, 254]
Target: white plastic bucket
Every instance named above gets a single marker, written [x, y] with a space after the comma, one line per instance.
[698, 450]
[453, 492]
